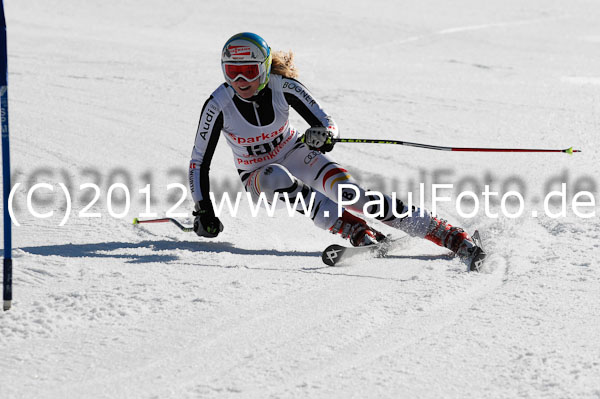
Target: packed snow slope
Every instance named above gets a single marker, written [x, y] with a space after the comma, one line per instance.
[105, 92]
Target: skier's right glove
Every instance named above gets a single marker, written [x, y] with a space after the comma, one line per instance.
[206, 224]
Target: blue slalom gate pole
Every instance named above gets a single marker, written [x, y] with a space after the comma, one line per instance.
[7, 264]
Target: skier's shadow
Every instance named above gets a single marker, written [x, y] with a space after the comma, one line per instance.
[122, 250]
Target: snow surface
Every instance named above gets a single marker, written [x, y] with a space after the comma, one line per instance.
[108, 91]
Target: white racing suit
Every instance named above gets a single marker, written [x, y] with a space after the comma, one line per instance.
[271, 158]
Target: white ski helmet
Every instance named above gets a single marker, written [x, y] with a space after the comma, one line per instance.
[247, 56]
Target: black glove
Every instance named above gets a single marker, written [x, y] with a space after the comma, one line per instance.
[319, 138]
[206, 224]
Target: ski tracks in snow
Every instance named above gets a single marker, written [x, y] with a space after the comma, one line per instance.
[334, 331]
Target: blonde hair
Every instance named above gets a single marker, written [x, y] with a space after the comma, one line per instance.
[283, 64]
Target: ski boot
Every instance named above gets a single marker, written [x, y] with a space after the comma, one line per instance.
[468, 249]
[356, 230]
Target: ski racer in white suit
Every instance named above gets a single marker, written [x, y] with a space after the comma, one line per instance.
[251, 110]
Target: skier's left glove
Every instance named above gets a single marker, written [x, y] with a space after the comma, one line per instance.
[320, 138]
[206, 224]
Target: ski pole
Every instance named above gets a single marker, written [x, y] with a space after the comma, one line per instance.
[165, 220]
[569, 150]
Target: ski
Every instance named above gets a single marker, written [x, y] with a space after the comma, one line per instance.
[334, 254]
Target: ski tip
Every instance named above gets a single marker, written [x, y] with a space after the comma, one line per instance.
[570, 150]
[479, 254]
[7, 305]
[478, 260]
[332, 254]
[136, 221]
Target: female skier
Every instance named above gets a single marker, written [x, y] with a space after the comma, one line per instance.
[252, 110]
